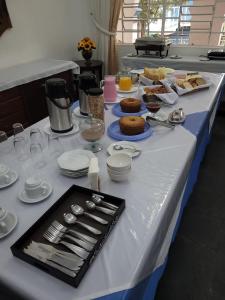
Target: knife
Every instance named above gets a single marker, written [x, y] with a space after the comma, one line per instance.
[50, 250]
[57, 259]
[51, 263]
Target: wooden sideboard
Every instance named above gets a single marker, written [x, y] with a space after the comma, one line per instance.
[26, 103]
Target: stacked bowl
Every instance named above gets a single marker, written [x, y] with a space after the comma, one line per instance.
[119, 166]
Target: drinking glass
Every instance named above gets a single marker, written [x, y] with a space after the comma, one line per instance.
[91, 131]
[125, 83]
[55, 148]
[37, 156]
[17, 129]
[21, 149]
[36, 137]
[5, 145]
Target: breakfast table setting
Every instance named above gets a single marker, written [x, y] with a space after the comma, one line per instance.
[108, 207]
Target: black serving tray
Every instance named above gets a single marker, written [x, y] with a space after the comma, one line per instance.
[75, 194]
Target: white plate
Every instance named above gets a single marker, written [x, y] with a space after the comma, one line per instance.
[48, 130]
[161, 116]
[132, 145]
[13, 225]
[74, 175]
[132, 90]
[14, 177]
[24, 198]
[75, 160]
[118, 99]
[77, 113]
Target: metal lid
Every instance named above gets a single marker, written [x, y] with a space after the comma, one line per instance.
[95, 92]
[56, 88]
[87, 81]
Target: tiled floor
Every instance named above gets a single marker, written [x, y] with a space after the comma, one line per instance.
[196, 264]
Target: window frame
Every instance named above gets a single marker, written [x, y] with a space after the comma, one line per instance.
[208, 31]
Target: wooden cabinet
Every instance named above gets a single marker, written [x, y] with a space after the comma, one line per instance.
[26, 103]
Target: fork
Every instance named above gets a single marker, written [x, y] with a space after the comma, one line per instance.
[82, 236]
[86, 245]
[57, 240]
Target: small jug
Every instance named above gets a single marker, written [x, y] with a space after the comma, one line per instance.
[109, 83]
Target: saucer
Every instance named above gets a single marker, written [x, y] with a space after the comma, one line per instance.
[135, 149]
[48, 130]
[14, 177]
[77, 113]
[114, 132]
[132, 90]
[13, 225]
[24, 198]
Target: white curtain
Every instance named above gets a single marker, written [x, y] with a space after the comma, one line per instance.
[101, 12]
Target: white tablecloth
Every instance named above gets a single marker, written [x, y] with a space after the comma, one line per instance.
[27, 72]
[140, 241]
[191, 63]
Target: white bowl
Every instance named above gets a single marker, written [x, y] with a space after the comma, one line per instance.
[120, 161]
[119, 177]
[115, 172]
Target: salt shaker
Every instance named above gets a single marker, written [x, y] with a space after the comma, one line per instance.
[96, 103]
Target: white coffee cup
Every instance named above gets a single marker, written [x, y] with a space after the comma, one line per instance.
[4, 226]
[35, 187]
[4, 174]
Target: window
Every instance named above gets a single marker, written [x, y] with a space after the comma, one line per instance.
[184, 22]
[222, 36]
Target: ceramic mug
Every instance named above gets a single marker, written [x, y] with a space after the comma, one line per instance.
[4, 174]
[35, 187]
[109, 84]
[4, 227]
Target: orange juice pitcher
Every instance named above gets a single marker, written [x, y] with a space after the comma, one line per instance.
[125, 81]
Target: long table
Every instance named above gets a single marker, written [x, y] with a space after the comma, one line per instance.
[133, 259]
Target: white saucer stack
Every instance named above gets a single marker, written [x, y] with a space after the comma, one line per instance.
[75, 163]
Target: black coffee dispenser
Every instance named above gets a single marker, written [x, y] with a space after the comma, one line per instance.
[86, 81]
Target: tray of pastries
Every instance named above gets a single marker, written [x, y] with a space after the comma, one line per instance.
[191, 83]
[161, 92]
[154, 75]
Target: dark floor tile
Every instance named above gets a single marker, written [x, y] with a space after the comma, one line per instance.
[196, 264]
[188, 267]
[201, 229]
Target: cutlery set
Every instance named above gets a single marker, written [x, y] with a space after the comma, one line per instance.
[65, 240]
[80, 245]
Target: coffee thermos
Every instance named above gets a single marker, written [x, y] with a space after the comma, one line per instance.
[59, 105]
[86, 82]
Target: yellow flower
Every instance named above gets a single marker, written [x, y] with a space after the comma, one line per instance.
[86, 39]
[86, 44]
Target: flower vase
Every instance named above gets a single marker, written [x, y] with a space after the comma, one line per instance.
[87, 55]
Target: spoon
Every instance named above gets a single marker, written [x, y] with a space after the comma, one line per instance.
[78, 211]
[155, 121]
[71, 219]
[91, 205]
[119, 147]
[97, 200]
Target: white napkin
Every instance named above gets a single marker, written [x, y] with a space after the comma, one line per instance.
[93, 174]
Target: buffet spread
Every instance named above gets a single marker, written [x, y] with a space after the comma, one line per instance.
[115, 160]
